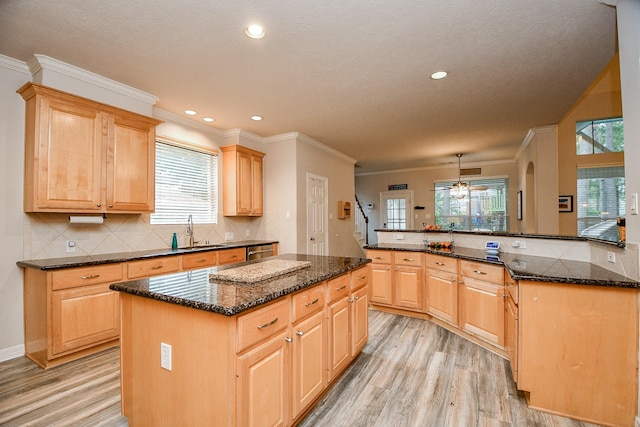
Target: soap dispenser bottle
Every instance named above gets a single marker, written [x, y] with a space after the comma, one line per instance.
[174, 242]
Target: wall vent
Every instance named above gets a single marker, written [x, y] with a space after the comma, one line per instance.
[470, 171]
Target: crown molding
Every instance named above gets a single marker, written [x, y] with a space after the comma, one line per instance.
[241, 133]
[533, 132]
[43, 62]
[14, 64]
[300, 137]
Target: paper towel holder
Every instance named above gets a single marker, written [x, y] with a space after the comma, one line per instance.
[87, 219]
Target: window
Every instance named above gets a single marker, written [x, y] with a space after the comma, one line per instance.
[186, 184]
[601, 200]
[480, 206]
[599, 136]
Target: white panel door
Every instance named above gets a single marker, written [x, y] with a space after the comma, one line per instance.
[317, 215]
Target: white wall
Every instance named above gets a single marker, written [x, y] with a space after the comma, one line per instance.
[13, 74]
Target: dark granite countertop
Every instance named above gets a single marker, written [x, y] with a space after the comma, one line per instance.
[84, 261]
[194, 288]
[527, 267]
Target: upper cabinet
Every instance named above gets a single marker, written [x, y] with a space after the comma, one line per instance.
[242, 181]
[85, 157]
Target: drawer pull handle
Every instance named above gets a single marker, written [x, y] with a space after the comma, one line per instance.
[157, 267]
[233, 256]
[266, 325]
[479, 272]
[440, 263]
[341, 288]
[408, 259]
[201, 260]
[91, 276]
[379, 257]
[362, 277]
[315, 301]
[299, 333]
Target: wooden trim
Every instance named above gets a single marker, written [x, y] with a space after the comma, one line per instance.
[186, 145]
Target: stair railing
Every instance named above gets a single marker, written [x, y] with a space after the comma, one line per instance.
[362, 222]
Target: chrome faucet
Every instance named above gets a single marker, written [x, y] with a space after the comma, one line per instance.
[190, 231]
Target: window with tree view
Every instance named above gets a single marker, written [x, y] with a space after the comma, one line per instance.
[599, 136]
[481, 205]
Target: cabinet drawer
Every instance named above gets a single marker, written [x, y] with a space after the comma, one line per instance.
[76, 277]
[261, 324]
[153, 267]
[443, 263]
[338, 287]
[228, 256]
[379, 257]
[483, 271]
[512, 286]
[309, 301]
[408, 258]
[359, 278]
[199, 259]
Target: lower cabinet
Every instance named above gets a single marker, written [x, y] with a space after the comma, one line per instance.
[396, 279]
[263, 385]
[511, 323]
[442, 287]
[359, 313]
[309, 361]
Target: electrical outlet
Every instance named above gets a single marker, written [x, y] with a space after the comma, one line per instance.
[247, 233]
[71, 245]
[523, 244]
[228, 235]
[398, 236]
[611, 256]
[165, 356]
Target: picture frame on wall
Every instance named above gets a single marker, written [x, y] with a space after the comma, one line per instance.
[519, 205]
[565, 203]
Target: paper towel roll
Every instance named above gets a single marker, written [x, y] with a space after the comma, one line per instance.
[86, 220]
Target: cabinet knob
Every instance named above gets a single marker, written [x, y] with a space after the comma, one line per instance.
[356, 298]
[288, 339]
[440, 263]
[110, 206]
[350, 301]
[98, 204]
[299, 333]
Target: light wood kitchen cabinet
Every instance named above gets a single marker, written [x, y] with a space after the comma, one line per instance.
[70, 313]
[199, 260]
[442, 287]
[85, 157]
[482, 301]
[309, 361]
[579, 350]
[229, 256]
[263, 384]
[153, 267]
[242, 181]
[396, 279]
[359, 313]
[407, 280]
[511, 323]
[338, 328]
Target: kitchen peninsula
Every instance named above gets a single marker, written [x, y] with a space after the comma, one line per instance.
[568, 327]
[212, 347]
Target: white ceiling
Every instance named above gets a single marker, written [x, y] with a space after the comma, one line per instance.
[351, 74]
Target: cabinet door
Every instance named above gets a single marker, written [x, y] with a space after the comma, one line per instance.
[130, 180]
[359, 320]
[263, 384]
[338, 331]
[482, 310]
[256, 186]
[408, 284]
[442, 289]
[381, 285]
[64, 166]
[84, 316]
[511, 335]
[309, 361]
[244, 180]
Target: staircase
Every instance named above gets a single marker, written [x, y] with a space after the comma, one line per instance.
[361, 233]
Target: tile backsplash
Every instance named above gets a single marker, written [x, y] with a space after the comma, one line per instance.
[46, 234]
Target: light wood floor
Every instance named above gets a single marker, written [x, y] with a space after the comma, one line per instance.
[411, 373]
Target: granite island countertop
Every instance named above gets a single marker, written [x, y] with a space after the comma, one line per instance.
[88, 260]
[527, 267]
[195, 288]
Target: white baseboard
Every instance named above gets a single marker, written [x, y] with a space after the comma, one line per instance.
[11, 352]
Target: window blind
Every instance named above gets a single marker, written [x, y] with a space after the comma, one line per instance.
[186, 184]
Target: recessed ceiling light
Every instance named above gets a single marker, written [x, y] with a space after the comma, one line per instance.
[256, 118]
[208, 119]
[439, 75]
[254, 31]
[190, 112]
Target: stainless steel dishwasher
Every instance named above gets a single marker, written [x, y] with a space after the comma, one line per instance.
[259, 251]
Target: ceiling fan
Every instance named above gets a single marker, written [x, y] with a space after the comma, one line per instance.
[462, 188]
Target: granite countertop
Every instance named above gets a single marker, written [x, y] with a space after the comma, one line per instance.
[527, 267]
[195, 288]
[84, 261]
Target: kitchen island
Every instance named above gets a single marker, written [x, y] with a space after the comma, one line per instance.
[202, 351]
